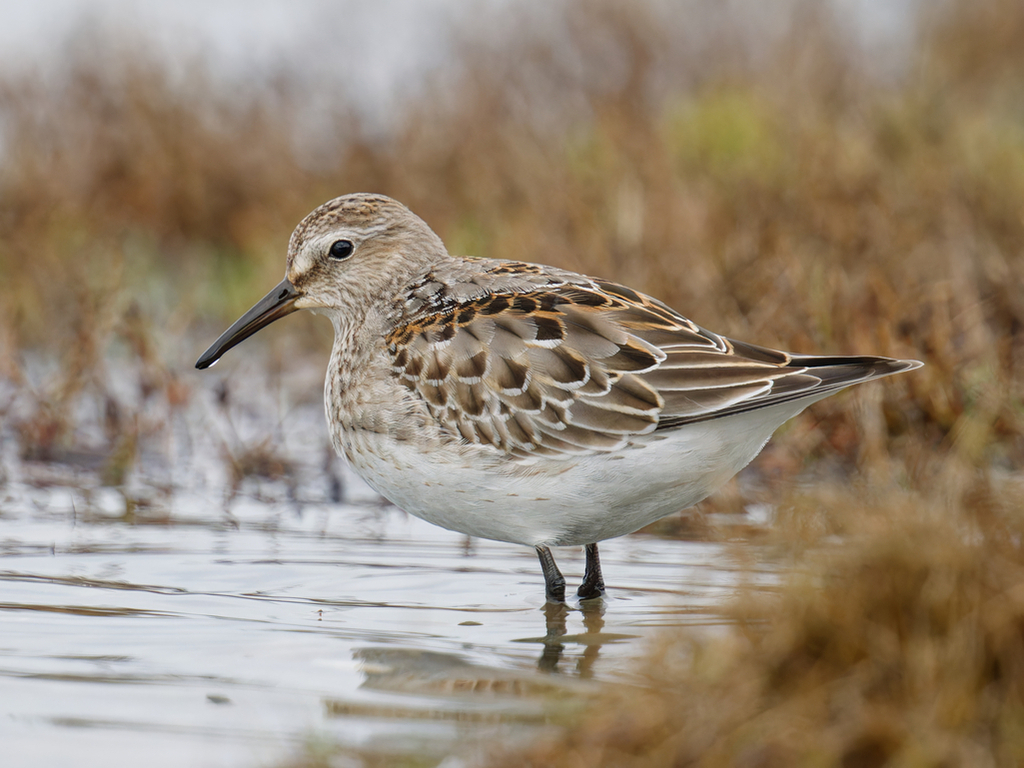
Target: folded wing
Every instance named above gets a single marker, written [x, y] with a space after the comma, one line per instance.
[579, 368]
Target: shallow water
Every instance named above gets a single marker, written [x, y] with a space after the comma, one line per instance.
[176, 623]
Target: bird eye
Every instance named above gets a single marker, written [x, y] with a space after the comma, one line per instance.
[341, 249]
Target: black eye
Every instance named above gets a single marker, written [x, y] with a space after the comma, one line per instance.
[341, 249]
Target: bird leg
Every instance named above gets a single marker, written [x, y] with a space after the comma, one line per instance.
[554, 581]
[593, 582]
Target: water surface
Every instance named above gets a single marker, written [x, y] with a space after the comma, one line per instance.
[180, 623]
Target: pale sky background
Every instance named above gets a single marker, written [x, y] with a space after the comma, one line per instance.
[376, 50]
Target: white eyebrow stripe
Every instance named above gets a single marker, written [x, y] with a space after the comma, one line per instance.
[304, 260]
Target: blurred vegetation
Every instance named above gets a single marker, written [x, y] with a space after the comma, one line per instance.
[903, 646]
[791, 198]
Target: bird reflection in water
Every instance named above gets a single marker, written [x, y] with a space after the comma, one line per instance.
[419, 672]
[556, 617]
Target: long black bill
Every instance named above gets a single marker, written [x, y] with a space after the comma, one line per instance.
[276, 304]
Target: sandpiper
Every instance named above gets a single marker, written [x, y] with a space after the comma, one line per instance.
[522, 402]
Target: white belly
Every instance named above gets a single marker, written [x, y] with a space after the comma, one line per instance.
[569, 501]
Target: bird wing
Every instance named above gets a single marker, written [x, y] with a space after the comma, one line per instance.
[580, 367]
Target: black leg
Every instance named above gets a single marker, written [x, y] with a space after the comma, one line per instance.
[554, 581]
[593, 582]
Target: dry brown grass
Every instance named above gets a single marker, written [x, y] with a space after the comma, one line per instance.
[902, 646]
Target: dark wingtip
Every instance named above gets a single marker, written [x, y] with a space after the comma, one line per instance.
[873, 366]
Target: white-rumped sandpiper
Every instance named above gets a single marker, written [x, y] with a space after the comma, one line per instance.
[521, 402]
